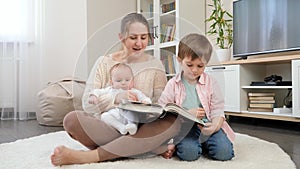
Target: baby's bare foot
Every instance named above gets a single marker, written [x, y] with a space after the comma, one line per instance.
[64, 156]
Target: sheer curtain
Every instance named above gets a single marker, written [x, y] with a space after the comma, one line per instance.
[20, 51]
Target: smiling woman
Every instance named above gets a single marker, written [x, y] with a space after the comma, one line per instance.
[104, 142]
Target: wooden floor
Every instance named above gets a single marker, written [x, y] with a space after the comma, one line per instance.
[12, 130]
[285, 134]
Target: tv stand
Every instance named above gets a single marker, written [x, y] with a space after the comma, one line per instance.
[236, 76]
[264, 59]
[242, 58]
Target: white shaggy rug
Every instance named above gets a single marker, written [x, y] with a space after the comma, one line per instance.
[34, 153]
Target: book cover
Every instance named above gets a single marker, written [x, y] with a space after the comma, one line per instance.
[173, 32]
[261, 105]
[262, 101]
[171, 64]
[261, 97]
[261, 94]
[260, 109]
[158, 110]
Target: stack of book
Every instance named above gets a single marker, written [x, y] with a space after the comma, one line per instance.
[261, 102]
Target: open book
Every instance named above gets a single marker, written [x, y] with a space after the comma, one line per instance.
[158, 110]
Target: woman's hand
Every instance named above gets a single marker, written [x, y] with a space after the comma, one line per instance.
[125, 95]
[198, 112]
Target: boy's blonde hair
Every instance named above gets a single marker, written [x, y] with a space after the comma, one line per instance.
[195, 46]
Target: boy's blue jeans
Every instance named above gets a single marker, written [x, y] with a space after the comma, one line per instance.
[217, 146]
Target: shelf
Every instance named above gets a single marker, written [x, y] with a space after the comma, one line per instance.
[269, 113]
[267, 87]
[150, 19]
[265, 59]
[164, 20]
[240, 77]
[168, 44]
[264, 115]
[170, 75]
[151, 47]
[168, 13]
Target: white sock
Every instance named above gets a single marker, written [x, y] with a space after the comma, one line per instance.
[131, 128]
[123, 130]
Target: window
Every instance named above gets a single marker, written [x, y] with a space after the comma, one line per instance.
[16, 20]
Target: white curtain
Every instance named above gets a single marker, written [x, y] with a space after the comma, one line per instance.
[21, 31]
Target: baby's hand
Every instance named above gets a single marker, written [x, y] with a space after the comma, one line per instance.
[145, 102]
[132, 96]
[124, 96]
[93, 99]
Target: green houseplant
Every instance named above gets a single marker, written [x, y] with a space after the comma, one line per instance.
[221, 25]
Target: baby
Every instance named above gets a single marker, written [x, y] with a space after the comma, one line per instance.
[121, 80]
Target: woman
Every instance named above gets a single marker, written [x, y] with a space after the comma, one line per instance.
[104, 142]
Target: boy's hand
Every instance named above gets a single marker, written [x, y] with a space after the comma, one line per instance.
[211, 127]
[208, 130]
[198, 112]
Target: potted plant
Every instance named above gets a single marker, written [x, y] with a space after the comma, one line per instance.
[221, 27]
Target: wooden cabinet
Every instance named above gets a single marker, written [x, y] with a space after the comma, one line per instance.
[235, 78]
[296, 87]
[229, 87]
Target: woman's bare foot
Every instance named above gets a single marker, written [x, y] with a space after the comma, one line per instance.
[169, 153]
[64, 156]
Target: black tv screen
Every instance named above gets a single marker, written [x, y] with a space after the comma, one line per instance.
[265, 26]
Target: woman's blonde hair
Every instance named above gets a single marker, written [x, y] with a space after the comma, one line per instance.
[132, 18]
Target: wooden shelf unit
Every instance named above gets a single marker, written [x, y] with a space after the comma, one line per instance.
[242, 72]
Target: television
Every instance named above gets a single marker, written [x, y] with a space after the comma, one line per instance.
[265, 26]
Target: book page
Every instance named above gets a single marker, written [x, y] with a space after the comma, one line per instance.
[158, 110]
[172, 107]
[141, 107]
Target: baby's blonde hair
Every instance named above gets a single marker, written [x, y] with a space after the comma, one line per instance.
[117, 66]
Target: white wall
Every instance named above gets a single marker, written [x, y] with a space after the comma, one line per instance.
[68, 26]
[103, 25]
[65, 35]
[228, 5]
